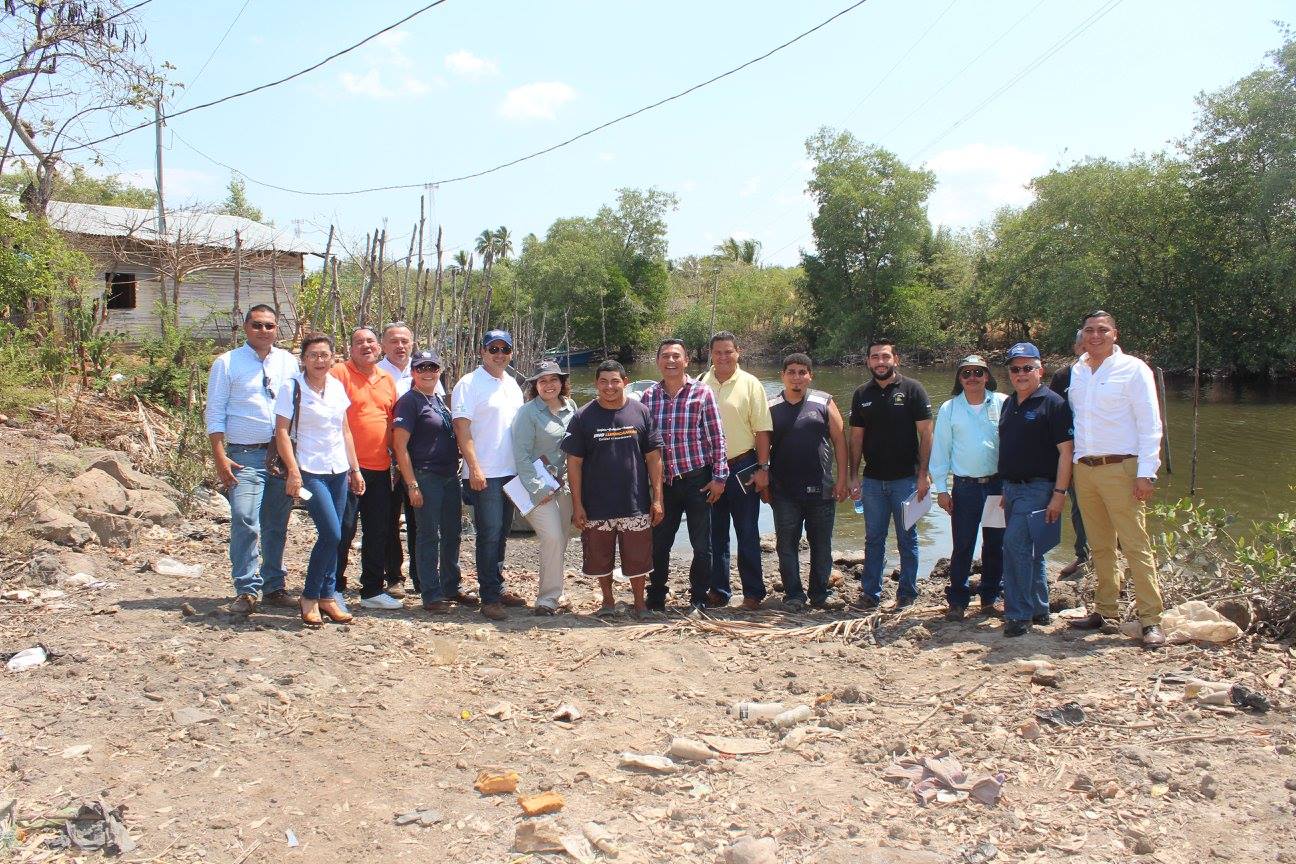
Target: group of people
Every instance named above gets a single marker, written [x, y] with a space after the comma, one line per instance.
[375, 439]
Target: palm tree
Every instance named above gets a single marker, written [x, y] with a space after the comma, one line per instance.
[486, 248]
[503, 243]
[742, 251]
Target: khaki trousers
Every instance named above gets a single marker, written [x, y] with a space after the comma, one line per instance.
[1111, 514]
[552, 524]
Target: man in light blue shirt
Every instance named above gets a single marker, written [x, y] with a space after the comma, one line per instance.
[966, 445]
[240, 418]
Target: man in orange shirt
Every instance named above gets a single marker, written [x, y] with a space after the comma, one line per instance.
[373, 401]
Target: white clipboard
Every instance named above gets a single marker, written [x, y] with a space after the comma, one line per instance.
[915, 509]
[993, 515]
[518, 493]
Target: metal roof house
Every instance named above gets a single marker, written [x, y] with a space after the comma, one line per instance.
[192, 265]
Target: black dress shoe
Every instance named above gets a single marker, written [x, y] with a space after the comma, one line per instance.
[1153, 637]
[1016, 628]
[1092, 621]
[1042, 620]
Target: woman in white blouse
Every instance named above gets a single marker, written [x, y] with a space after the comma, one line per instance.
[320, 464]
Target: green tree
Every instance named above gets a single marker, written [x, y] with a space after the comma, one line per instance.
[78, 187]
[868, 229]
[741, 251]
[236, 202]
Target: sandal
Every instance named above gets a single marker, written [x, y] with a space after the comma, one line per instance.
[606, 612]
[310, 618]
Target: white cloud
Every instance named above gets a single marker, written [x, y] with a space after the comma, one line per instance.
[466, 64]
[975, 180]
[390, 72]
[538, 101]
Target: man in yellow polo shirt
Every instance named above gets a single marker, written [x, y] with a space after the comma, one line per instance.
[745, 418]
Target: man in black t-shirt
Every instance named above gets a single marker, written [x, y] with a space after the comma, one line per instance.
[1061, 385]
[891, 429]
[614, 468]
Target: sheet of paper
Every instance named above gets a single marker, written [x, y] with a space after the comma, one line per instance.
[542, 471]
[915, 509]
[520, 497]
[992, 516]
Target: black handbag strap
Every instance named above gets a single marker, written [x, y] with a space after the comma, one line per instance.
[292, 424]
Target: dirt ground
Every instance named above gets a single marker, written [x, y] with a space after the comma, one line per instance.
[230, 740]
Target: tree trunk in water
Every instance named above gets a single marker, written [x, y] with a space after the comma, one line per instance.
[1192, 473]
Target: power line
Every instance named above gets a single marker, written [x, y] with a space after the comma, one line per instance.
[553, 147]
[189, 87]
[275, 83]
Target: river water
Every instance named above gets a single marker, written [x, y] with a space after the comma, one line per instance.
[1246, 448]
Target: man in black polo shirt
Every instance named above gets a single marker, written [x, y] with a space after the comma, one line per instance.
[1035, 443]
[891, 427]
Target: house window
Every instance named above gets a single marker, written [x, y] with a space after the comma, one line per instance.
[119, 288]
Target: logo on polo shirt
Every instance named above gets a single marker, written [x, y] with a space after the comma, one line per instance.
[898, 398]
[1031, 414]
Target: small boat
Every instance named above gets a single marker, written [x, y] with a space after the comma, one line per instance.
[571, 357]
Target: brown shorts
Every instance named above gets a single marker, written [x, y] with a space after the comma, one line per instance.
[598, 545]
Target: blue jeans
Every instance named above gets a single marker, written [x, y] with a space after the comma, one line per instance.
[969, 501]
[817, 515]
[439, 538]
[1077, 525]
[1025, 582]
[259, 509]
[492, 517]
[884, 504]
[743, 508]
[326, 507]
[682, 498]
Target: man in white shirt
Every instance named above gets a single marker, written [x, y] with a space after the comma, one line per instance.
[1117, 454]
[483, 406]
[239, 414]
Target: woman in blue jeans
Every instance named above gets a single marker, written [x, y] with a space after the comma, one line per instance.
[1035, 445]
[423, 439]
[319, 458]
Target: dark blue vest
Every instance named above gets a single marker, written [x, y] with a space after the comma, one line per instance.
[801, 453]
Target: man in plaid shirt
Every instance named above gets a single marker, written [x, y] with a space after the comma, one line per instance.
[693, 461]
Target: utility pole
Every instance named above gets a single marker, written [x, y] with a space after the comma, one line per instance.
[161, 207]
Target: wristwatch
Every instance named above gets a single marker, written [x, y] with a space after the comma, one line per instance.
[1059, 491]
[762, 466]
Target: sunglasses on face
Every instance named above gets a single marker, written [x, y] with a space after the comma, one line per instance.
[265, 382]
[971, 373]
[1022, 370]
[500, 349]
[427, 368]
[262, 325]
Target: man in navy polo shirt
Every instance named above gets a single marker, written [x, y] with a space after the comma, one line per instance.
[1035, 442]
[891, 428]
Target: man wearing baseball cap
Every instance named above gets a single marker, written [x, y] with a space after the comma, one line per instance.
[966, 445]
[484, 405]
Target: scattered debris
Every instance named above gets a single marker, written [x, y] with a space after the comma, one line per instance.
[192, 716]
[737, 746]
[567, 713]
[538, 836]
[756, 711]
[95, 827]
[76, 751]
[422, 816]
[1197, 621]
[171, 567]
[1248, 699]
[793, 716]
[28, 658]
[539, 805]
[500, 711]
[648, 762]
[1068, 714]
[602, 839]
[928, 777]
[496, 781]
[750, 850]
[690, 750]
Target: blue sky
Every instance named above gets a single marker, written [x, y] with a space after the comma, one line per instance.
[468, 85]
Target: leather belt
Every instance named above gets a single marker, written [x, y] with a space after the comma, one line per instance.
[688, 474]
[741, 456]
[1031, 480]
[992, 478]
[1095, 461]
[248, 446]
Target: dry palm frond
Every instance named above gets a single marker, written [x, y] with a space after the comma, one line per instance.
[845, 629]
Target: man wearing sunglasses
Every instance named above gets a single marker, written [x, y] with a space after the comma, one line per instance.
[483, 406]
[1117, 454]
[241, 390]
[966, 445]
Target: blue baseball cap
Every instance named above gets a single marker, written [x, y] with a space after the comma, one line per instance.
[425, 358]
[497, 336]
[1023, 349]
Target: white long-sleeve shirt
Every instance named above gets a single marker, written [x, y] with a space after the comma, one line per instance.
[1116, 411]
[241, 390]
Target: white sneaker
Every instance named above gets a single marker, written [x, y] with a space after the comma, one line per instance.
[341, 602]
[381, 601]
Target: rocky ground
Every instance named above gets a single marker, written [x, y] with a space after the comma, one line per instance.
[232, 740]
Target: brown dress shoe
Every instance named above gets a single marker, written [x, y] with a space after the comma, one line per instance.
[464, 599]
[993, 610]
[311, 617]
[716, 600]
[438, 607]
[494, 611]
[751, 604]
[1071, 569]
[1092, 621]
[330, 609]
[395, 590]
[280, 599]
[245, 604]
[508, 598]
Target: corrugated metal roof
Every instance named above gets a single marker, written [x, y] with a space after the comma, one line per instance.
[193, 227]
